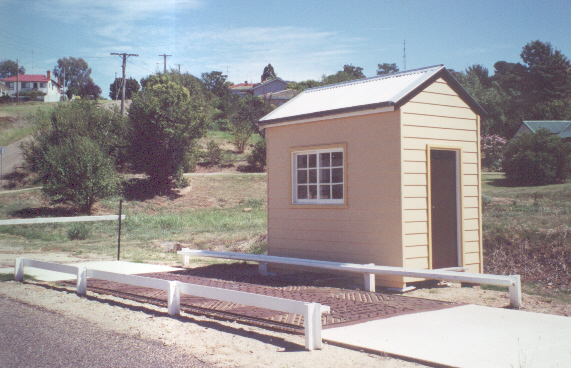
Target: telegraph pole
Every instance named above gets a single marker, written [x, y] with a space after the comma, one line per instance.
[165, 56]
[124, 56]
[17, 81]
[178, 67]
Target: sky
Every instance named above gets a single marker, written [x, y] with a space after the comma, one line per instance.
[301, 39]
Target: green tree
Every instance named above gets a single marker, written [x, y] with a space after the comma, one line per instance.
[78, 171]
[538, 158]
[387, 68]
[243, 123]
[216, 83]
[165, 123]
[268, 73]
[9, 68]
[548, 73]
[75, 151]
[131, 87]
[75, 74]
[302, 86]
[348, 73]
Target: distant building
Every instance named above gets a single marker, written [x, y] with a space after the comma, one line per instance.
[279, 98]
[241, 89]
[4, 90]
[30, 82]
[560, 127]
[273, 85]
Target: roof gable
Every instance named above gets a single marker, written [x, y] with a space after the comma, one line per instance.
[390, 90]
[270, 82]
[554, 126]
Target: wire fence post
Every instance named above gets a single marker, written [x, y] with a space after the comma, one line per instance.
[119, 232]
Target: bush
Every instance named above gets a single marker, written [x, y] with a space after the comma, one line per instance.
[537, 159]
[165, 123]
[257, 159]
[75, 152]
[78, 232]
[243, 123]
[492, 147]
[78, 171]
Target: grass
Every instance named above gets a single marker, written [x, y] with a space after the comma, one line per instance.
[209, 216]
[4, 277]
[17, 120]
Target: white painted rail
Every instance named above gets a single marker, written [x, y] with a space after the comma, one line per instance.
[48, 220]
[311, 311]
[369, 270]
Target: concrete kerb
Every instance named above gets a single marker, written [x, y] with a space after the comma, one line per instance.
[368, 271]
[311, 311]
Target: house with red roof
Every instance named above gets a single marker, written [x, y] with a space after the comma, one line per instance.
[24, 83]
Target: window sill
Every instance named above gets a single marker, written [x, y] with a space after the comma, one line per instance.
[319, 206]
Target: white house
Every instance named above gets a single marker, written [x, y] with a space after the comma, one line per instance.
[30, 82]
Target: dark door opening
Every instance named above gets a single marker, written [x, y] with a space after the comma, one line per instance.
[444, 211]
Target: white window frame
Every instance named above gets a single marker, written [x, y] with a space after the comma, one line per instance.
[317, 151]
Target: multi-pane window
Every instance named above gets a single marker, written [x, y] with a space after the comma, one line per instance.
[42, 85]
[318, 177]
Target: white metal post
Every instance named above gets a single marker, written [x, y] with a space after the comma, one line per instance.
[174, 298]
[515, 292]
[369, 280]
[312, 324]
[81, 281]
[19, 269]
[263, 268]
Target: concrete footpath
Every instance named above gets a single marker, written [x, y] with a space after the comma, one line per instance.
[466, 336]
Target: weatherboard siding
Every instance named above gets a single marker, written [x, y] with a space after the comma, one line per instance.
[438, 117]
[365, 230]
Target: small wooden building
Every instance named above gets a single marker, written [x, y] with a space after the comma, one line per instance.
[383, 170]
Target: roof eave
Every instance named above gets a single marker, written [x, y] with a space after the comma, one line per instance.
[321, 114]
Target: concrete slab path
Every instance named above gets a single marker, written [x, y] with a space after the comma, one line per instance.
[126, 268]
[466, 336]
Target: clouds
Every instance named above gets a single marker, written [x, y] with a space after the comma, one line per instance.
[295, 52]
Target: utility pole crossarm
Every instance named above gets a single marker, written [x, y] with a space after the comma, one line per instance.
[124, 56]
[165, 56]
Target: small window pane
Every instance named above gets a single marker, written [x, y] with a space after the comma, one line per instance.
[301, 161]
[337, 159]
[337, 175]
[302, 191]
[313, 192]
[325, 159]
[337, 191]
[301, 176]
[313, 160]
[312, 175]
[325, 175]
[324, 191]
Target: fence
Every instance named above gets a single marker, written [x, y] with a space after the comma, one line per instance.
[50, 220]
[370, 270]
[310, 311]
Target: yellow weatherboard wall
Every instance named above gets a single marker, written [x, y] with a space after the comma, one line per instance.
[386, 218]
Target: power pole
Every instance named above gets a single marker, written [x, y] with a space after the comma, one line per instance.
[165, 56]
[124, 56]
[17, 81]
[178, 67]
[404, 56]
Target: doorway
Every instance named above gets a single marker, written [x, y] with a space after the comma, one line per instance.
[444, 203]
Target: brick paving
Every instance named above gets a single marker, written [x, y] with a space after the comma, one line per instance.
[348, 306]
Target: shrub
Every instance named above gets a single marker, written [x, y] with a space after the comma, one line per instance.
[492, 147]
[213, 153]
[165, 123]
[257, 159]
[78, 232]
[75, 152]
[243, 123]
[537, 159]
[78, 171]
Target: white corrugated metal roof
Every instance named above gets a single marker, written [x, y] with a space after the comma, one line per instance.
[373, 91]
